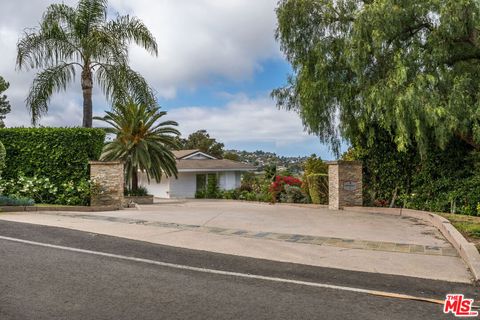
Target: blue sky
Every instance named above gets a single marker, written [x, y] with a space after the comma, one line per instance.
[218, 62]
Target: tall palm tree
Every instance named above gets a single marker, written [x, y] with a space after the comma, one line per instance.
[82, 37]
[141, 141]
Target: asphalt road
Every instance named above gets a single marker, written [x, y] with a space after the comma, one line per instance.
[39, 282]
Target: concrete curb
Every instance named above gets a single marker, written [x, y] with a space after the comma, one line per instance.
[467, 250]
[57, 208]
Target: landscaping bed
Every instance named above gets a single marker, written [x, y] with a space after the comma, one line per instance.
[469, 226]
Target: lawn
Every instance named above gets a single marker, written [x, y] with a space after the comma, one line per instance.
[469, 226]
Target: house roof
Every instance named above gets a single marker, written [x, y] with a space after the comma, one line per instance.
[190, 165]
[179, 154]
[186, 162]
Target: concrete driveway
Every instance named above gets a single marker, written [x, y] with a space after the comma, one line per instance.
[312, 236]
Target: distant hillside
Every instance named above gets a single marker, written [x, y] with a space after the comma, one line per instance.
[261, 159]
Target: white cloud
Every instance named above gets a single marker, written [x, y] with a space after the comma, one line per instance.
[243, 120]
[199, 41]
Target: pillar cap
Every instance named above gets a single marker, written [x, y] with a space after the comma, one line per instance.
[344, 162]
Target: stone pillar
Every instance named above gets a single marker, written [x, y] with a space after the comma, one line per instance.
[108, 183]
[344, 184]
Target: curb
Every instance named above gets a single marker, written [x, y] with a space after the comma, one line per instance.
[467, 250]
[57, 208]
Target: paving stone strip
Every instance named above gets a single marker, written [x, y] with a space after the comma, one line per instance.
[447, 250]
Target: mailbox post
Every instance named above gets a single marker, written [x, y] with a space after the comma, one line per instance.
[344, 184]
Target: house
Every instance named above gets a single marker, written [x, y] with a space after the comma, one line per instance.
[194, 168]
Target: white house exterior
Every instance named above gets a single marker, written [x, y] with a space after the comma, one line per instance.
[193, 168]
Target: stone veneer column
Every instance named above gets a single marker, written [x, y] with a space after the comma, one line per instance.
[344, 184]
[109, 180]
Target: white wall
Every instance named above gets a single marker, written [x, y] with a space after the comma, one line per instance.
[230, 182]
[185, 186]
[160, 190]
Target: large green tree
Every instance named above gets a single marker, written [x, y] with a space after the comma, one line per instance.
[82, 37]
[141, 141]
[5, 107]
[201, 140]
[409, 67]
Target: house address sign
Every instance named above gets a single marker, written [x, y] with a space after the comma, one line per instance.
[349, 185]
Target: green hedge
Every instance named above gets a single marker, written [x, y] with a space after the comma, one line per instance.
[318, 188]
[60, 154]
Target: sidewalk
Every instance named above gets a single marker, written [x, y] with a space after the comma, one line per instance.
[320, 237]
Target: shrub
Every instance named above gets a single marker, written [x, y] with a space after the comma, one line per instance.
[212, 190]
[277, 188]
[10, 201]
[200, 194]
[293, 194]
[141, 191]
[59, 154]
[318, 188]
[3, 154]
[39, 189]
[50, 165]
[75, 194]
[231, 194]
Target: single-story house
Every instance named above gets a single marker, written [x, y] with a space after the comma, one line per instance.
[194, 167]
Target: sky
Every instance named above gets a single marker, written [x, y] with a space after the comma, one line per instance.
[218, 62]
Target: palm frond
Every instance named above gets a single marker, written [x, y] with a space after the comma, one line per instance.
[131, 29]
[90, 14]
[47, 81]
[120, 83]
[140, 147]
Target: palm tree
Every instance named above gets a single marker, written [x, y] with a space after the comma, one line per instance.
[141, 141]
[82, 37]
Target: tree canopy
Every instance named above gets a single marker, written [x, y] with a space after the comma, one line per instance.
[201, 140]
[409, 67]
[142, 141]
[81, 37]
[5, 107]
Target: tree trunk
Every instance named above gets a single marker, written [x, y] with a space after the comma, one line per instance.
[134, 180]
[87, 85]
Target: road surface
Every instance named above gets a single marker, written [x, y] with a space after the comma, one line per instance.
[43, 275]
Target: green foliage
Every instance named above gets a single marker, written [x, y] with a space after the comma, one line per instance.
[3, 155]
[5, 107]
[141, 141]
[201, 140]
[231, 156]
[140, 192]
[318, 187]
[314, 164]
[59, 154]
[10, 201]
[39, 189]
[75, 193]
[212, 189]
[270, 172]
[443, 181]
[293, 194]
[408, 67]
[82, 37]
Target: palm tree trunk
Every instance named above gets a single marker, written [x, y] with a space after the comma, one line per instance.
[87, 85]
[135, 180]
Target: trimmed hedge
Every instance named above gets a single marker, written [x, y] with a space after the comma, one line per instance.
[318, 188]
[60, 154]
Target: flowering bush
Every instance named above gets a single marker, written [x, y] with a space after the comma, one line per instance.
[39, 189]
[277, 188]
[74, 193]
[42, 190]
